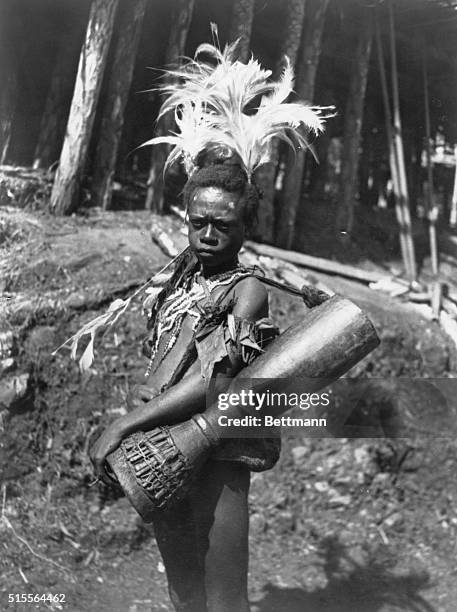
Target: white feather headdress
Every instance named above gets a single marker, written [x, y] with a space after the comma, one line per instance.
[234, 105]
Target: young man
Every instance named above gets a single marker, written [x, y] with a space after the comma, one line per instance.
[210, 317]
[204, 539]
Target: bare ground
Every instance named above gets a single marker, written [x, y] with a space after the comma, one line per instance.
[342, 524]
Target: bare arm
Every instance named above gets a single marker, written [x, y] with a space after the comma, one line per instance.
[186, 397]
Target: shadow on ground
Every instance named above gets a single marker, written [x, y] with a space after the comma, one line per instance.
[351, 587]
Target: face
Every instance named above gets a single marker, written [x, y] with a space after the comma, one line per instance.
[216, 226]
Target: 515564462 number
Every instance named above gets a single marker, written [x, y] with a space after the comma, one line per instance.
[36, 597]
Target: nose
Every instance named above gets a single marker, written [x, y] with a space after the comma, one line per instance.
[208, 235]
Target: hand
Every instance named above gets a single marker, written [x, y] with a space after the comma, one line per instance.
[104, 445]
[139, 395]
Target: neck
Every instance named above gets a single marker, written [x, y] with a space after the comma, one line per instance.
[225, 267]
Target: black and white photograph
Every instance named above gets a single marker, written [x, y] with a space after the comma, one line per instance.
[228, 305]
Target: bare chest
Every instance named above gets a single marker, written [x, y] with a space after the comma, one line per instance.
[173, 351]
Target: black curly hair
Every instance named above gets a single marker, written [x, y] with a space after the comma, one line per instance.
[231, 178]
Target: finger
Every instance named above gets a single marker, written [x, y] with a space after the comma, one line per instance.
[110, 475]
[106, 478]
[100, 471]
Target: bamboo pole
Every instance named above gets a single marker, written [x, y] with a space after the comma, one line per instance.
[453, 216]
[398, 143]
[390, 143]
[432, 211]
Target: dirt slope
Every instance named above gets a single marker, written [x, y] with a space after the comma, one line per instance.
[346, 524]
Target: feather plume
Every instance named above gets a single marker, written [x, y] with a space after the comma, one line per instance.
[109, 318]
[227, 102]
[195, 131]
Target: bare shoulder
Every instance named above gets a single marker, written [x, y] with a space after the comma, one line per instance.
[251, 299]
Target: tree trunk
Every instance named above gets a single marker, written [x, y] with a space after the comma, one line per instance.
[9, 65]
[266, 176]
[353, 123]
[57, 105]
[241, 26]
[366, 161]
[65, 192]
[306, 79]
[181, 20]
[7, 103]
[119, 82]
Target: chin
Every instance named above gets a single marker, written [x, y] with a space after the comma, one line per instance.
[209, 262]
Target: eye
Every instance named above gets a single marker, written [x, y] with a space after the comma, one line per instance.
[196, 224]
[223, 227]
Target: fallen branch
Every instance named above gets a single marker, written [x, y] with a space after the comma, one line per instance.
[25, 173]
[449, 307]
[436, 299]
[449, 325]
[418, 298]
[284, 271]
[316, 263]
[450, 293]
[163, 241]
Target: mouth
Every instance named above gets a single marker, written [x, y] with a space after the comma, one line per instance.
[206, 252]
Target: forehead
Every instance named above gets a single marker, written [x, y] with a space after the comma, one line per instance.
[215, 200]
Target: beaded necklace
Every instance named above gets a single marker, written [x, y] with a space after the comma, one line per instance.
[186, 300]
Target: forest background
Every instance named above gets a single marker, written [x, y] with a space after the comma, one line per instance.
[388, 68]
[372, 527]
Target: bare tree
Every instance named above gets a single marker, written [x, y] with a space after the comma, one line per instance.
[182, 17]
[306, 78]
[119, 82]
[266, 175]
[92, 61]
[353, 121]
[241, 25]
